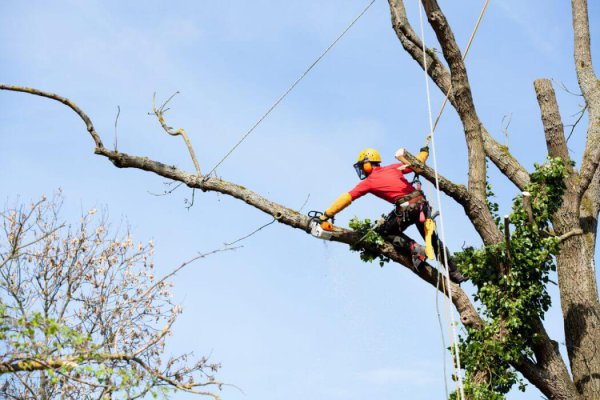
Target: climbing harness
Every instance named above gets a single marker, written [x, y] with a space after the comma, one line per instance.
[431, 137]
[284, 95]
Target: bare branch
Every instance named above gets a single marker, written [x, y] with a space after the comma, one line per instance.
[116, 124]
[160, 114]
[505, 125]
[88, 123]
[553, 126]
[580, 115]
[260, 228]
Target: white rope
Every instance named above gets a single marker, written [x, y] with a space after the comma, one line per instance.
[453, 337]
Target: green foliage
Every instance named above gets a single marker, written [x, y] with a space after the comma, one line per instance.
[370, 241]
[512, 290]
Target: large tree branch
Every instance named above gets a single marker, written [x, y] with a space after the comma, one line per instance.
[467, 311]
[287, 216]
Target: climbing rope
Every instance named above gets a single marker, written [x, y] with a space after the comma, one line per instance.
[296, 82]
[452, 335]
[431, 137]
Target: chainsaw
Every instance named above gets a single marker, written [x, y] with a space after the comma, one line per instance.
[319, 228]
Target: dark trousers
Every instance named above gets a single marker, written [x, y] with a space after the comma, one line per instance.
[401, 218]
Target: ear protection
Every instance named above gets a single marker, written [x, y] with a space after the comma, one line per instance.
[367, 167]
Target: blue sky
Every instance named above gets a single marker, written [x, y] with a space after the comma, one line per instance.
[287, 315]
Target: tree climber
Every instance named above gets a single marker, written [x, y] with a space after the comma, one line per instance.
[411, 207]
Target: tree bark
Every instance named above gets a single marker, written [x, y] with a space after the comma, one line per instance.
[575, 261]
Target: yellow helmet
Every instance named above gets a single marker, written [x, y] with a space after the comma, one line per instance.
[366, 159]
[369, 155]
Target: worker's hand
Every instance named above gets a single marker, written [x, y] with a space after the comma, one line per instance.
[324, 217]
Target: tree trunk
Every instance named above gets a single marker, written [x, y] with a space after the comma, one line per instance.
[579, 295]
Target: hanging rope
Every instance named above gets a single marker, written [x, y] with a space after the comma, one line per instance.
[450, 320]
[296, 82]
[431, 138]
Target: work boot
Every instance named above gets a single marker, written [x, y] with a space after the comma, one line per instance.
[455, 275]
[418, 255]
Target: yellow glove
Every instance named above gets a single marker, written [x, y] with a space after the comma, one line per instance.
[423, 154]
[429, 229]
[342, 202]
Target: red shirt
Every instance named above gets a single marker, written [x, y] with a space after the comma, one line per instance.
[387, 183]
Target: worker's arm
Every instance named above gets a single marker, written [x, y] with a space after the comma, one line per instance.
[342, 202]
[345, 199]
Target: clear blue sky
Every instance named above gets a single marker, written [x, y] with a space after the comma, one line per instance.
[287, 315]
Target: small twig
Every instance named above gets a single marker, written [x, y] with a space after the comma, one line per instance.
[581, 114]
[179, 132]
[251, 233]
[505, 129]
[190, 204]
[116, 122]
[186, 263]
[167, 192]
[564, 87]
[304, 204]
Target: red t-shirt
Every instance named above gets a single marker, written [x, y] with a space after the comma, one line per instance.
[386, 182]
